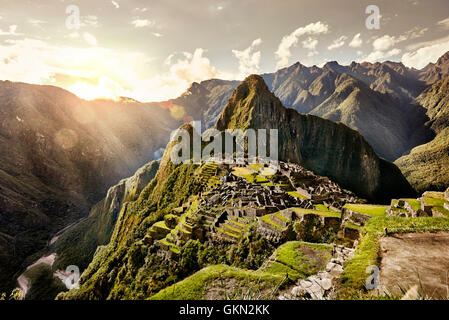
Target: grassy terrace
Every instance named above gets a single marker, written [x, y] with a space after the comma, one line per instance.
[296, 195]
[368, 209]
[367, 253]
[162, 225]
[414, 203]
[173, 247]
[436, 199]
[267, 219]
[298, 259]
[394, 202]
[226, 232]
[318, 212]
[197, 285]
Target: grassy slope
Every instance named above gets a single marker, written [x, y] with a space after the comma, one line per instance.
[287, 259]
[369, 209]
[427, 166]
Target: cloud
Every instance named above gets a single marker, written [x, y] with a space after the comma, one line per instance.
[356, 42]
[90, 38]
[12, 31]
[156, 34]
[36, 22]
[96, 71]
[115, 4]
[310, 44]
[140, 23]
[444, 23]
[283, 52]
[384, 43]
[419, 58]
[89, 21]
[340, 42]
[382, 55]
[248, 59]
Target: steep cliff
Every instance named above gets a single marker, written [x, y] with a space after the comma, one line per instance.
[77, 244]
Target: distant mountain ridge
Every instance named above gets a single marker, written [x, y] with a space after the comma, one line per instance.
[376, 99]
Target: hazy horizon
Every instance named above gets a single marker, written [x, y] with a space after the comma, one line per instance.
[152, 51]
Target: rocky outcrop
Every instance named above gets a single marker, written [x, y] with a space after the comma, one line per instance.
[327, 148]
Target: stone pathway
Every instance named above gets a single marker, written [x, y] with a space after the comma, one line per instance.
[322, 285]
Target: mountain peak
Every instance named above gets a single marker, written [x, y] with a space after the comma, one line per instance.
[443, 59]
[252, 96]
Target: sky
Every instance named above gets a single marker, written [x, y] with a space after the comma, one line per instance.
[152, 50]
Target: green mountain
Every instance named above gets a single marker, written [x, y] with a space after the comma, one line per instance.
[327, 148]
[426, 167]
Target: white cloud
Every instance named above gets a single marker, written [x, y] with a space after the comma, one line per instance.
[419, 58]
[384, 43]
[444, 23]
[96, 71]
[156, 34]
[340, 42]
[310, 43]
[115, 4]
[356, 42]
[283, 52]
[36, 22]
[141, 9]
[12, 31]
[89, 21]
[379, 55]
[248, 59]
[90, 38]
[140, 23]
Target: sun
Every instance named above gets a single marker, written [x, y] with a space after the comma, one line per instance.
[104, 89]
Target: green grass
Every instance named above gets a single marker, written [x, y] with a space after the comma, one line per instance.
[280, 216]
[162, 225]
[196, 286]
[414, 204]
[289, 258]
[267, 219]
[296, 195]
[436, 199]
[367, 252]
[368, 209]
[171, 246]
[228, 233]
[317, 212]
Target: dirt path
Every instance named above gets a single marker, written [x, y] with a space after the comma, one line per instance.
[416, 259]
